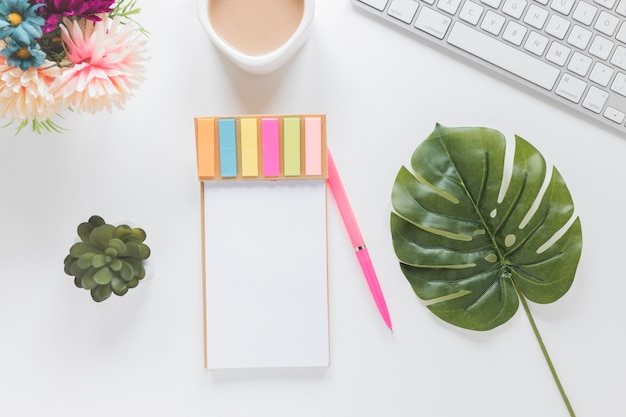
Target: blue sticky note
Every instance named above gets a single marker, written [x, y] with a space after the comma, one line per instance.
[228, 148]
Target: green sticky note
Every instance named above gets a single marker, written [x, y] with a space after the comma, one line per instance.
[291, 146]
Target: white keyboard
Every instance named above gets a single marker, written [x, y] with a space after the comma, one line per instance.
[573, 51]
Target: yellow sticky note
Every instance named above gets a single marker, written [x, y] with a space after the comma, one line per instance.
[249, 148]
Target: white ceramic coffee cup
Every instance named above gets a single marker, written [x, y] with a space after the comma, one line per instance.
[266, 62]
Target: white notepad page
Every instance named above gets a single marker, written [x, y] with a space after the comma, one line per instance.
[266, 288]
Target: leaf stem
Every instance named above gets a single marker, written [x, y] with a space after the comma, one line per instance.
[545, 352]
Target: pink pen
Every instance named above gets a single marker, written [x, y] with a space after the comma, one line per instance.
[341, 199]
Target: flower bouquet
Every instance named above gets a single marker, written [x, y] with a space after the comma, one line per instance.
[80, 55]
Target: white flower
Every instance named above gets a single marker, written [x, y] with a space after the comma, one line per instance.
[27, 95]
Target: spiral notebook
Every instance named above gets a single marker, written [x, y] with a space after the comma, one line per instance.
[263, 208]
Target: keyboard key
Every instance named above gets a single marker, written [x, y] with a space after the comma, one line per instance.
[619, 57]
[536, 16]
[494, 3]
[562, 6]
[432, 22]
[558, 53]
[614, 115]
[601, 74]
[536, 43]
[377, 4]
[579, 37]
[621, 33]
[514, 8]
[471, 12]
[619, 84]
[601, 47]
[605, 3]
[606, 23]
[502, 55]
[514, 33]
[449, 6]
[579, 64]
[492, 23]
[571, 88]
[595, 99]
[403, 10]
[557, 26]
[585, 12]
[621, 8]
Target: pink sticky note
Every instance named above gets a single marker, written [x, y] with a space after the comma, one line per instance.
[313, 145]
[271, 152]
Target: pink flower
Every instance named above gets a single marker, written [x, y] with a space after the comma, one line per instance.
[108, 64]
[27, 95]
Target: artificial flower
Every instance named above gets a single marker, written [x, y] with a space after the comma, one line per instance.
[23, 56]
[53, 11]
[81, 55]
[26, 95]
[108, 64]
[19, 21]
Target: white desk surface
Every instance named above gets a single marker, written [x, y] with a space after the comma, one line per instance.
[61, 354]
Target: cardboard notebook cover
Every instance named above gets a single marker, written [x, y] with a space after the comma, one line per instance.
[263, 210]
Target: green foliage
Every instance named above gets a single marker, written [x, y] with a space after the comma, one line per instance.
[52, 45]
[476, 234]
[38, 126]
[128, 9]
[125, 8]
[108, 259]
[471, 251]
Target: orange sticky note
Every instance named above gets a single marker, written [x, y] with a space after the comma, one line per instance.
[205, 147]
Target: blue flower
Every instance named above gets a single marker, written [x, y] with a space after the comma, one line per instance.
[23, 56]
[19, 21]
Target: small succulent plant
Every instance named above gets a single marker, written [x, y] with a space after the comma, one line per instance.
[108, 259]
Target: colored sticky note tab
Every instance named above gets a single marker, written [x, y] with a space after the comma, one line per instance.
[313, 145]
[205, 147]
[291, 146]
[249, 148]
[271, 150]
[228, 148]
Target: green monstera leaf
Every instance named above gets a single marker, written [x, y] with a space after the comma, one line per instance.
[477, 232]
[468, 241]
